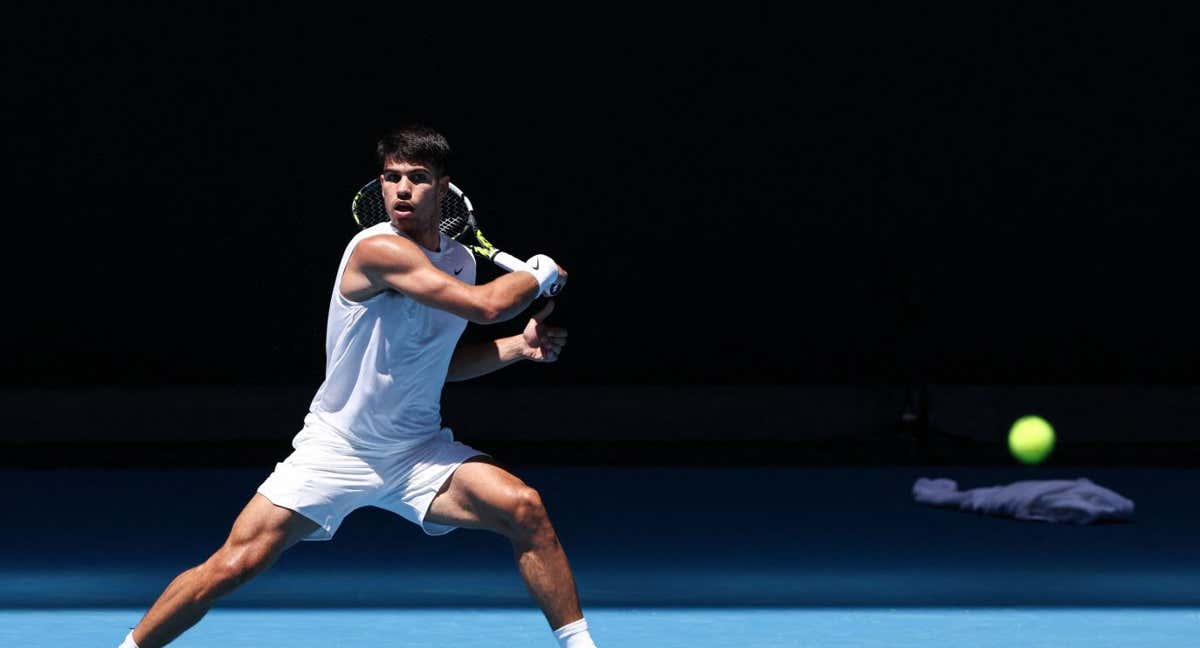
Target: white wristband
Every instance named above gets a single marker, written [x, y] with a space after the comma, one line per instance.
[545, 270]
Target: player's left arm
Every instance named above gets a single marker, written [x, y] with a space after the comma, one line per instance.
[539, 342]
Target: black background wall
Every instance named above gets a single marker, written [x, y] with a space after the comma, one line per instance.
[744, 196]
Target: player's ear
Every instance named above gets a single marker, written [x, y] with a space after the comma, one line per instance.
[443, 186]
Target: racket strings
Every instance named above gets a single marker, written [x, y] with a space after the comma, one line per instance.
[368, 206]
[456, 218]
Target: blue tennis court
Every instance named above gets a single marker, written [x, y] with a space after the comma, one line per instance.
[716, 557]
[632, 627]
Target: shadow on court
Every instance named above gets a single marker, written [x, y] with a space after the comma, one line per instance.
[663, 537]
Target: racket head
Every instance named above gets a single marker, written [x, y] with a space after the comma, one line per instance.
[457, 219]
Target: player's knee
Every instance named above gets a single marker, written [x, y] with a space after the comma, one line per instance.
[231, 568]
[528, 515]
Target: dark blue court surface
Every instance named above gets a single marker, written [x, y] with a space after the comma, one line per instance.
[663, 557]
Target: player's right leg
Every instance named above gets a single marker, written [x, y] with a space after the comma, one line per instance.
[260, 534]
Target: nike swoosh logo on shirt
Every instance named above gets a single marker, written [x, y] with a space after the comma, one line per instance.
[457, 271]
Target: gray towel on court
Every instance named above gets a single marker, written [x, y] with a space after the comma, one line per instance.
[1075, 501]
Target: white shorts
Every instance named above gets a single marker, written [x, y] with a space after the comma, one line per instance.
[326, 478]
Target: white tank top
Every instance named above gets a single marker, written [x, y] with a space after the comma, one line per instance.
[386, 358]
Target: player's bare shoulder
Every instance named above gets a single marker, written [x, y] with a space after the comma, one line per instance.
[387, 253]
[372, 259]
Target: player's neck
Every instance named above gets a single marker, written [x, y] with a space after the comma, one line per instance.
[431, 241]
[429, 238]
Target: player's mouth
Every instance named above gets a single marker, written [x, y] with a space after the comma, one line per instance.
[403, 208]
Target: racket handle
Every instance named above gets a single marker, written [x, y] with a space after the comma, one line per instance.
[509, 262]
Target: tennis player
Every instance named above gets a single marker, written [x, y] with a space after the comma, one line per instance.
[403, 295]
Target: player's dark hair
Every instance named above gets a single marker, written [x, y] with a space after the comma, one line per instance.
[415, 144]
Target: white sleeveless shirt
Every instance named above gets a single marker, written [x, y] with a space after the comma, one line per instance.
[386, 357]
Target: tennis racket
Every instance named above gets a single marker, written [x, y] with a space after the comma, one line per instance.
[457, 222]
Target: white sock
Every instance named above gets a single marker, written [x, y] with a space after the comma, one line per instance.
[574, 635]
[129, 642]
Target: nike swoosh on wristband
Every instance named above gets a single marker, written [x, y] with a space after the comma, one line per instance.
[457, 271]
[535, 263]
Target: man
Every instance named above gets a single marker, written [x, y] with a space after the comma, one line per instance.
[403, 295]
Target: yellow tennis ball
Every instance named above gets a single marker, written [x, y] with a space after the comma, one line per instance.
[1031, 439]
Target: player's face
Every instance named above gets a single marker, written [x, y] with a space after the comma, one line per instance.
[412, 194]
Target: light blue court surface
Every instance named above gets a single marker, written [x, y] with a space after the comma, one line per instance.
[630, 628]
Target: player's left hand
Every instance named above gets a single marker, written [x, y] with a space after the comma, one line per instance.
[543, 343]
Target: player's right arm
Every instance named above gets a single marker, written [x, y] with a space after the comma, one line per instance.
[382, 263]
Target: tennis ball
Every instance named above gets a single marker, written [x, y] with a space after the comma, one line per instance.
[1031, 439]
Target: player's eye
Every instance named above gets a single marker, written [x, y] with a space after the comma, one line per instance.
[391, 176]
[420, 178]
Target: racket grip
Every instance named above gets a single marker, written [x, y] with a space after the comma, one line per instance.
[509, 262]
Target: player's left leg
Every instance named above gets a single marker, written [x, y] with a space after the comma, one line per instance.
[481, 495]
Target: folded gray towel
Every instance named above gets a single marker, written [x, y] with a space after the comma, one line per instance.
[1076, 501]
